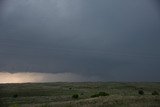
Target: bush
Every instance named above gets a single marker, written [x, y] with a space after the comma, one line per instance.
[155, 93]
[75, 96]
[100, 94]
[103, 94]
[82, 93]
[15, 96]
[95, 95]
[141, 92]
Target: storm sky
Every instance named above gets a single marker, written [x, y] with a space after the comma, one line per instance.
[108, 40]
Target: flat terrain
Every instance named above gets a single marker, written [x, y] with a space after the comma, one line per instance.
[90, 94]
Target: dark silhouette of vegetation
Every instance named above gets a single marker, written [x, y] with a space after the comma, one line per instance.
[75, 96]
[95, 95]
[100, 94]
[141, 92]
[82, 93]
[15, 96]
[155, 93]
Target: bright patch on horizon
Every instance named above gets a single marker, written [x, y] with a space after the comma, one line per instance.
[6, 77]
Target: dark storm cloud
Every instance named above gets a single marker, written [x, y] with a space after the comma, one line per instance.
[1, 4]
[157, 2]
[115, 40]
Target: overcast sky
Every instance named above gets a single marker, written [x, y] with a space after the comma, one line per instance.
[114, 40]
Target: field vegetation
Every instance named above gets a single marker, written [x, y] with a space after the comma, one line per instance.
[87, 94]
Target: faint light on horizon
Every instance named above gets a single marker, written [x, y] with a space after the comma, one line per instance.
[27, 77]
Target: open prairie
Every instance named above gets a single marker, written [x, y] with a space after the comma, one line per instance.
[87, 94]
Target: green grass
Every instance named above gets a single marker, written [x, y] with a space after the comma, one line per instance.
[60, 94]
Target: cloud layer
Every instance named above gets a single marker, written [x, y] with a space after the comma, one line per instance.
[114, 40]
[26, 77]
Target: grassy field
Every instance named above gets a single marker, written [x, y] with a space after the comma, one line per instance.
[90, 94]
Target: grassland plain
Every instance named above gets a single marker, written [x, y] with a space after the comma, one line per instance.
[60, 94]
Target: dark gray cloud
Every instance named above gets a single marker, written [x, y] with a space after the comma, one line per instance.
[115, 40]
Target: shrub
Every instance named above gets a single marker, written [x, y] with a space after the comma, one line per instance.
[82, 93]
[141, 92]
[15, 96]
[75, 96]
[103, 94]
[155, 93]
[100, 94]
[95, 95]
